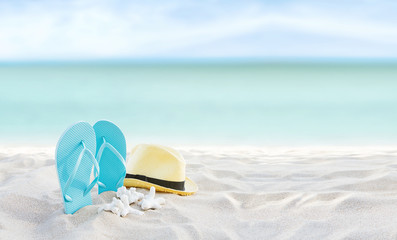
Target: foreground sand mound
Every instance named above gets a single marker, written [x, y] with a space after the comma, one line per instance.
[244, 193]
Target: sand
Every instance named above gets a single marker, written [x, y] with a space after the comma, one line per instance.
[244, 193]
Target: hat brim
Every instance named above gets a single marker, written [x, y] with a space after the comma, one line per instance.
[190, 186]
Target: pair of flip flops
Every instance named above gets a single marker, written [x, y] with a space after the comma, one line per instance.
[83, 148]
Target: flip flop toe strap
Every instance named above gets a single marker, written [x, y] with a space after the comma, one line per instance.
[116, 153]
[76, 167]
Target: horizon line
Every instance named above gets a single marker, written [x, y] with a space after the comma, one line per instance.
[218, 60]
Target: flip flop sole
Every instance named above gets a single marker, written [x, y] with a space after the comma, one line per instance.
[111, 168]
[68, 150]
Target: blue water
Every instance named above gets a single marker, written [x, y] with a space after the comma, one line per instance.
[199, 103]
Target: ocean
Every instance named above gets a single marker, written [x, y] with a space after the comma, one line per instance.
[219, 103]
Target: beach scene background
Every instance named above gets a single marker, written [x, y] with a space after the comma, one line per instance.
[204, 103]
[284, 112]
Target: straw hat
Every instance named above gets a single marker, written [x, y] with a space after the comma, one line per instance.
[160, 167]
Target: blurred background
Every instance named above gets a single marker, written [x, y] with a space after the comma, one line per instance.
[201, 72]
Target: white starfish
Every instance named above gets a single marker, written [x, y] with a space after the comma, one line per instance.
[133, 195]
[149, 202]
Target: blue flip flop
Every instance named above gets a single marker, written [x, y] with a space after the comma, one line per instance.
[110, 154]
[74, 162]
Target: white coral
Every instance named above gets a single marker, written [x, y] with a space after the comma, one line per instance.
[127, 209]
[132, 194]
[149, 202]
[120, 207]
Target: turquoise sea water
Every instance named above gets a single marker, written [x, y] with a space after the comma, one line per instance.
[199, 103]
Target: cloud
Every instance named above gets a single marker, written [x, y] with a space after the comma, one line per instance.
[173, 29]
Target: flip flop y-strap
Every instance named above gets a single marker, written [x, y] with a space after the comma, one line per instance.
[76, 167]
[115, 152]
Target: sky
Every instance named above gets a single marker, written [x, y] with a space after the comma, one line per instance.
[129, 29]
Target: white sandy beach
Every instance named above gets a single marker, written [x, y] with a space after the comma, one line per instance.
[244, 193]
